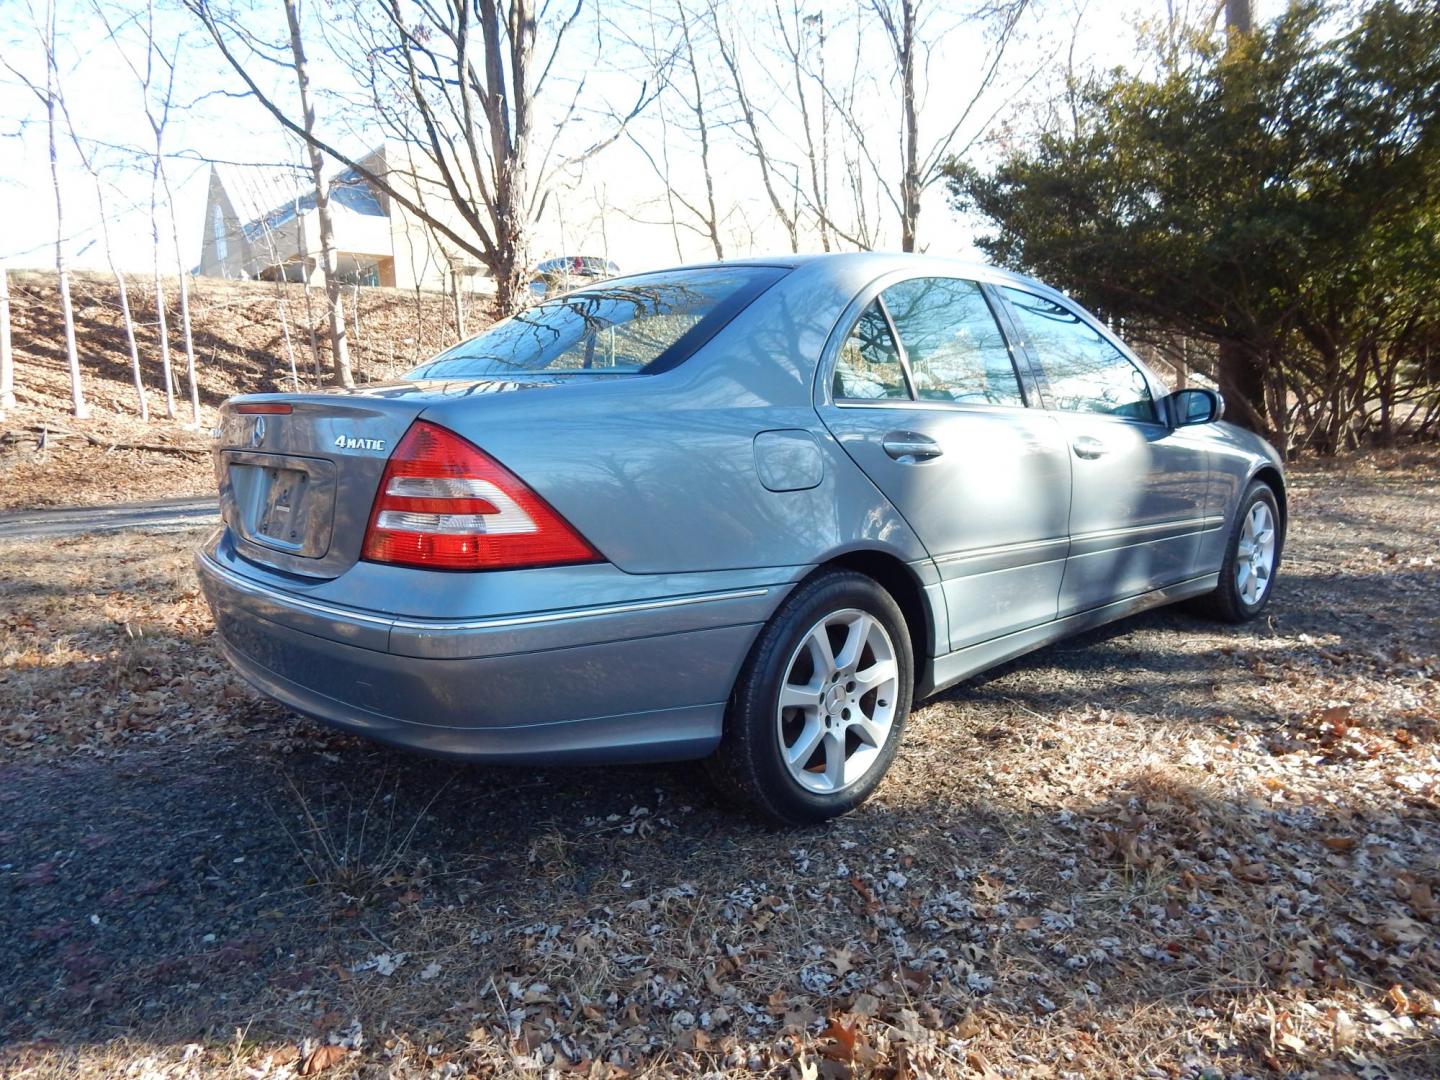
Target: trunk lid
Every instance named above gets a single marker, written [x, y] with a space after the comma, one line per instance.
[297, 488]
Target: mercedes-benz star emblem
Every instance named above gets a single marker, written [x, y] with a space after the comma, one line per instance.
[258, 435]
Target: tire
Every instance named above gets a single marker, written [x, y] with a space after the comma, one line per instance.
[1238, 598]
[843, 721]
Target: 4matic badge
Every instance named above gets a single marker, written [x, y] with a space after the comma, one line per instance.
[350, 442]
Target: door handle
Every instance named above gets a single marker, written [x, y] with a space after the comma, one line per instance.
[1087, 446]
[908, 447]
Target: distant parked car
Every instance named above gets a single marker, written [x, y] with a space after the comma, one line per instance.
[570, 272]
[746, 511]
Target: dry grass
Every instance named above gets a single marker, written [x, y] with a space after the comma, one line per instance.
[1168, 849]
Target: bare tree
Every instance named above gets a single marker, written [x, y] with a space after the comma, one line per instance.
[459, 82]
[339, 347]
[909, 30]
[698, 104]
[127, 319]
[788, 216]
[7, 357]
[794, 28]
[44, 24]
[157, 115]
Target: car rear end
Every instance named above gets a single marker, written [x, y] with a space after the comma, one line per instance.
[383, 568]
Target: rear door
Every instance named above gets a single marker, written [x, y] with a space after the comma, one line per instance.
[1138, 505]
[924, 395]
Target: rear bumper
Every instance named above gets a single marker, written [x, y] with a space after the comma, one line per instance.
[643, 680]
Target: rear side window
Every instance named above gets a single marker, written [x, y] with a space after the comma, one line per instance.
[869, 363]
[630, 326]
[952, 342]
[1083, 372]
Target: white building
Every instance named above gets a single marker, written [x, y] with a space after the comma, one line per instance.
[261, 222]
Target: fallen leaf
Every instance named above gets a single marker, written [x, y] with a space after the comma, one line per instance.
[321, 1058]
[844, 1039]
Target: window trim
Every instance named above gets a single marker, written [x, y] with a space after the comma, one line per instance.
[1157, 390]
[1020, 361]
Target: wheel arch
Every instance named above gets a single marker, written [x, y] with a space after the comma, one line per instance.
[896, 578]
[1272, 478]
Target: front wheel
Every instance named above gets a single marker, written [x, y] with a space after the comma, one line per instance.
[817, 712]
[1252, 557]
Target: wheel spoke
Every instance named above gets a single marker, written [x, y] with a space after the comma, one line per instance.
[799, 752]
[820, 700]
[877, 674]
[834, 760]
[821, 654]
[856, 635]
[801, 697]
[874, 734]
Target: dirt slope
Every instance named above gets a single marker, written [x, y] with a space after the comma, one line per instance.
[240, 347]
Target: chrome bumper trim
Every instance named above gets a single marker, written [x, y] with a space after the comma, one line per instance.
[285, 599]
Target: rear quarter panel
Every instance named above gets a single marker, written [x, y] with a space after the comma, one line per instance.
[659, 472]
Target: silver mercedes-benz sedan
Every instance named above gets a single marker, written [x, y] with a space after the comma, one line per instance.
[747, 512]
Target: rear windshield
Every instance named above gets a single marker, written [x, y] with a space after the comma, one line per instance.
[632, 326]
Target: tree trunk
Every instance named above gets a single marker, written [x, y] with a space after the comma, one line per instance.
[1240, 377]
[289, 347]
[1238, 16]
[1243, 382]
[162, 331]
[72, 356]
[7, 357]
[339, 347]
[459, 304]
[303, 247]
[180, 269]
[910, 182]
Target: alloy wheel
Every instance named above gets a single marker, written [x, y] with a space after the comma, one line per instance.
[837, 701]
[1255, 554]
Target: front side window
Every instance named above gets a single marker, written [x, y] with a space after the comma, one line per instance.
[633, 326]
[869, 364]
[952, 341]
[1083, 371]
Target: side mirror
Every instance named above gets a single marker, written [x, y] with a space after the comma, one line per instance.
[1195, 405]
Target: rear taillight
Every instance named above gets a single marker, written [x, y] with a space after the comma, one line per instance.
[447, 505]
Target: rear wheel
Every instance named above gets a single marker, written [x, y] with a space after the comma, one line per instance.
[816, 714]
[1252, 557]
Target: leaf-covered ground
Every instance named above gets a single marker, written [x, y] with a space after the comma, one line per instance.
[1165, 849]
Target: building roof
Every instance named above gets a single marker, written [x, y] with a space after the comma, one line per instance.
[265, 197]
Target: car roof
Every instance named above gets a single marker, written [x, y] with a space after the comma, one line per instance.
[877, 262]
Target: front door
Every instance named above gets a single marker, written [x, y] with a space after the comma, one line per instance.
[925, 398]
[1138, 505]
